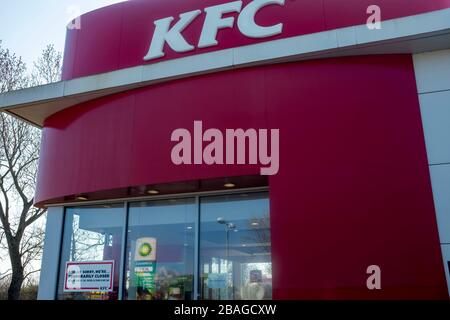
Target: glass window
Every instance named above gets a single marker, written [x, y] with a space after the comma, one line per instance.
[91, 252]
[235, 247]
[160, 250]
[229, 234]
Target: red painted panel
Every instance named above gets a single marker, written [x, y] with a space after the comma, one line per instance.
[353, 171]
[87, 147]
[98, 42]
[119, 36]
[353, 187]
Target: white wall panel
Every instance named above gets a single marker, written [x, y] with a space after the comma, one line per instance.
[440, 180]
[432, 71]
[446, 254]
[435, 109]
[433, 85]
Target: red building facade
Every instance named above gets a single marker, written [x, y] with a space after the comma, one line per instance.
[353, 187]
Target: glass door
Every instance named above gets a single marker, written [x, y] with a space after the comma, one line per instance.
[160, 250]
[235, 247]
[91, 253]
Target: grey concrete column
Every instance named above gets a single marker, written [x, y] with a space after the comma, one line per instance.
[50, 259]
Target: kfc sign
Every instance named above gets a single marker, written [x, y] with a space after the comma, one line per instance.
[166, 32]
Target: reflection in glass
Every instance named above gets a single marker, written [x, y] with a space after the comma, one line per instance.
[235, 247]
[160, 250]
[92, 234]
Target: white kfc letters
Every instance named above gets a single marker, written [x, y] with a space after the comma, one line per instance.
[214, 21]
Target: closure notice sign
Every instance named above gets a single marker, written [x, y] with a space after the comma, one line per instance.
[89, 276]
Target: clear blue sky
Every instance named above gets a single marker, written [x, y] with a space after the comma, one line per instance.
[27, 26]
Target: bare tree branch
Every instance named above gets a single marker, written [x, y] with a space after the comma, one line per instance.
[5, 274]
[31, 272]
[21, 234]
[47, 69]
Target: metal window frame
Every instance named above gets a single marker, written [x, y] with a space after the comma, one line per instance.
[123, 251]
[197, 251]
[61, 240]
[126, 206]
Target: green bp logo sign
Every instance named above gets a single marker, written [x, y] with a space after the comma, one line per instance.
[145, 249]
[145, 266]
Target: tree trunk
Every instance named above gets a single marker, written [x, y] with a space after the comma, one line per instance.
[17, 275]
